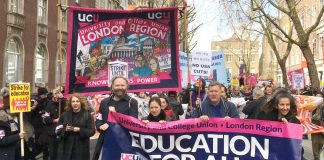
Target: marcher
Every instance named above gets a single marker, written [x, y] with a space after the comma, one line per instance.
[268, 91]
[119, 102]
[9, 131]
[318, 138]
[281, 107]
[165, 106]
[175, 104]
[253, 107]
[51, 120]
[37, 120]
[157, 114]
[215, 106]
[236, 92]
[197, 94]
[75, 127]
[224, 92]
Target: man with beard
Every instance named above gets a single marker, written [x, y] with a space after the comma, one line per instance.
[119, 102]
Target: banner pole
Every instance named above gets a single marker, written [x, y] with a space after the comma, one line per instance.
[60, 49]
[22, 148]
[185, 19]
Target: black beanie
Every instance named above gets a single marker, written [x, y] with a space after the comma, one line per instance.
[42, 90]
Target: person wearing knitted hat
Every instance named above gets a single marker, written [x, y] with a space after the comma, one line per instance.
[38, 113]
[9, 130]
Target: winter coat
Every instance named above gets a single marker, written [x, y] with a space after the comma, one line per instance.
[227, 109]
[253, 108]
[126, 106]
[38, 122]
[273, 116]
[52, 113]
[176, 107]
[9, 140]
[36, 115]
[75, 145]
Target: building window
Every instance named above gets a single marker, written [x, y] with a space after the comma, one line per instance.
[308, 16]
[42, 11]
[14, 62]
[40, 65]
[252, 58]
[77, 1]
[64, 15]
[320, 47]
[240, 58]
[105, 4]
[314, 14]
[228, 58]
[16, 6]
[314, 48]
[64, 20]
[58, 67]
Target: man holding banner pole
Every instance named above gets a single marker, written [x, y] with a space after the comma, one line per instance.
[119, 102]
[215, 106]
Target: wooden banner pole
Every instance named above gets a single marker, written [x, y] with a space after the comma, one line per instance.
[21, 120]
[60, 50]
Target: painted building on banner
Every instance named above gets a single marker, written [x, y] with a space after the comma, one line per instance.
[29, 39]
[239, 51]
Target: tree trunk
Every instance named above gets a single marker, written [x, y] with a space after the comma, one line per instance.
[284, 73]
[311, 65]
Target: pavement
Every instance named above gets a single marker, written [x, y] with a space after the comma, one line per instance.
[308, 152]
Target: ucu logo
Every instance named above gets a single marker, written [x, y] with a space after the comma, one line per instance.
[126, 156]
[158, 15]
[88, 17]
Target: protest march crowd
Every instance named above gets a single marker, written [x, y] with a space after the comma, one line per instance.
[60, 127]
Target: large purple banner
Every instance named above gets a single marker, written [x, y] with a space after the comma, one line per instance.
[192, 139]
[141, 45]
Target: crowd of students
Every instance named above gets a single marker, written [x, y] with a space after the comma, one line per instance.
[61, 128]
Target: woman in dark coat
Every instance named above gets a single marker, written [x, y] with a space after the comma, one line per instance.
[281, 107]
[9, 138]
[75, 127]
[9, 131]
[157, 114]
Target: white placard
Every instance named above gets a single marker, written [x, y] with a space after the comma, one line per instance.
[117, 68]
[298, 81]
[201, 63]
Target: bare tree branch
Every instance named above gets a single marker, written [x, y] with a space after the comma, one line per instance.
[282, 9]
[275, 24]
[319, 17]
